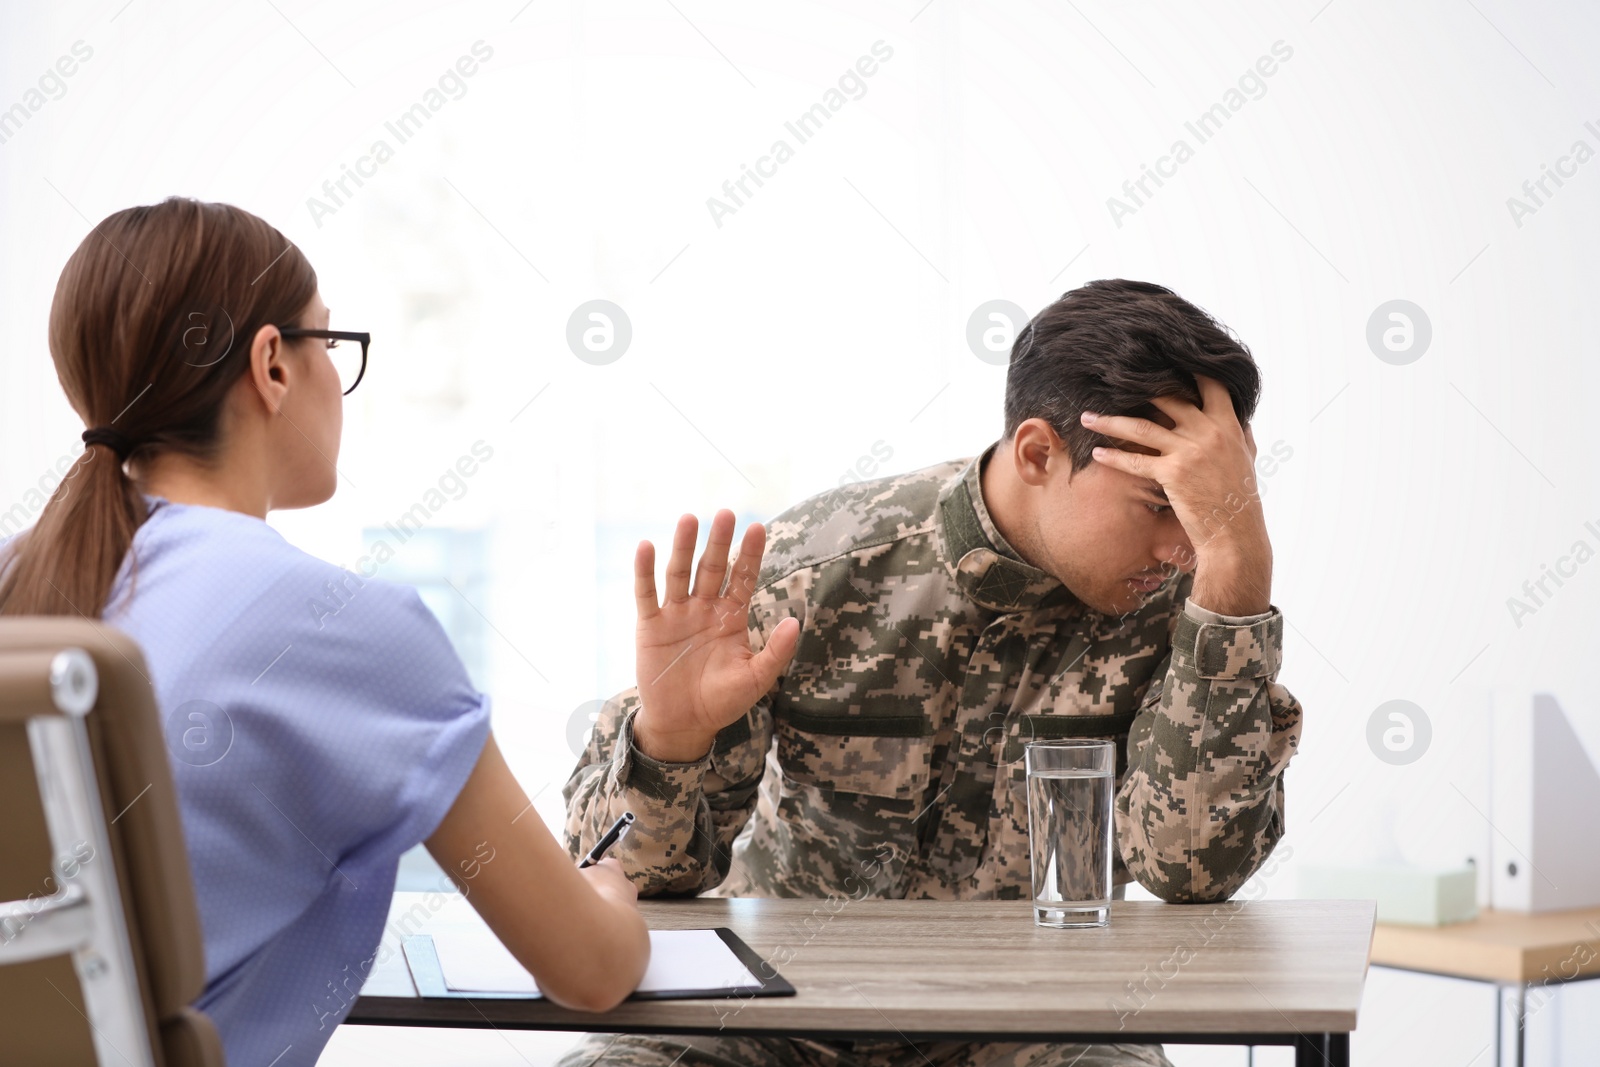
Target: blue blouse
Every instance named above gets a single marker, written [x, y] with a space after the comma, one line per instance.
[319, 724]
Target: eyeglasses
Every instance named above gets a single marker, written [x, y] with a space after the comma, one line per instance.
[365, 339]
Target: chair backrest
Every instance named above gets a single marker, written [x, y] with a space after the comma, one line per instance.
[100, 949]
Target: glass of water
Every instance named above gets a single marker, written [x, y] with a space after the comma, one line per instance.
[1070, 830]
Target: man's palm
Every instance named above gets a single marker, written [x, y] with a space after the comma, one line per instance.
[696, 671]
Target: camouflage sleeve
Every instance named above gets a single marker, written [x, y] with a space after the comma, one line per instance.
[688, 813]
[1201, 806]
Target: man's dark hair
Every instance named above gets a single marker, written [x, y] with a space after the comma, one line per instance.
[1110, 347]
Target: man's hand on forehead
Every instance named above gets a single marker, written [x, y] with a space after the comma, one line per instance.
[1203, 461]
[1148, 412]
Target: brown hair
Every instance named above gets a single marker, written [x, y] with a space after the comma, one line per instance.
[150, 328]
[1110, 347]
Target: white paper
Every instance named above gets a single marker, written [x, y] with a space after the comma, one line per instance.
[474, 961]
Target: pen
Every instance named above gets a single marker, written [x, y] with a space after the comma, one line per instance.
[611, 837]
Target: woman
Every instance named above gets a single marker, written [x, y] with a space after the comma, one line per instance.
[309, 750]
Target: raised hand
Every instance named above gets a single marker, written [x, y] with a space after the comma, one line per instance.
[1205, 463]
[696, 671]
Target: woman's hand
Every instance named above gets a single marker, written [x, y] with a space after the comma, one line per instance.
[577, 931]
[607, 879]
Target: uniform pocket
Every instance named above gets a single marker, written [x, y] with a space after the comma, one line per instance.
[877, 755]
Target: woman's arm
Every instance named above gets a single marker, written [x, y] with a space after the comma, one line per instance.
[578, 932]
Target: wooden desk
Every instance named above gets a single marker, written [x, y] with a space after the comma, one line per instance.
[1498, 946]
[1515, 951]
[1285, 972]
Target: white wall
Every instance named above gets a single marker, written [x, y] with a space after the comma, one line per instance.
[826, 317]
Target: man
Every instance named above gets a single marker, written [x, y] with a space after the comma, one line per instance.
[1101, 571]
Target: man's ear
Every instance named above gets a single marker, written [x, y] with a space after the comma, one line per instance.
[269, 368]
[1037, 451]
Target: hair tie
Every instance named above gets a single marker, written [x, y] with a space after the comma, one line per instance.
[105, 435]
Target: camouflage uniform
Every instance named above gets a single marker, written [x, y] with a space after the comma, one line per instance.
[887, 759]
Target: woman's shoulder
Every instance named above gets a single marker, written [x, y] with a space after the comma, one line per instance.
[235, 563]
[225, 597]
[217, 546]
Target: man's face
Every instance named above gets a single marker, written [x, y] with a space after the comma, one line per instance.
[1108, 536]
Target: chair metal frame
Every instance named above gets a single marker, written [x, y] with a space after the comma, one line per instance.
[84, 917]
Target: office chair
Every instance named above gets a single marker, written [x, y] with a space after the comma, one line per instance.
[100, 949]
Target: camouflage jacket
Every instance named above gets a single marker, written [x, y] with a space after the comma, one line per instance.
[887, 760]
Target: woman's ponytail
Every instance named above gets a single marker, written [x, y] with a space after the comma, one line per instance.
[67, 563]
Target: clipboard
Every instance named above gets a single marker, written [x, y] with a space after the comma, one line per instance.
[423, 960]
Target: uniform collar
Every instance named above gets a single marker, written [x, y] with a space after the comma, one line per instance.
[988, 571]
